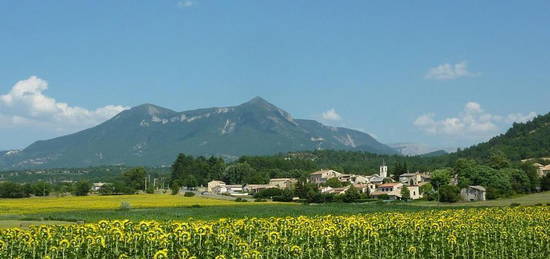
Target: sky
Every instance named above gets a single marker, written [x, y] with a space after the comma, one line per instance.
[440, 73]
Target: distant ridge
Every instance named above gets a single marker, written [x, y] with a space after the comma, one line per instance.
[151, 135]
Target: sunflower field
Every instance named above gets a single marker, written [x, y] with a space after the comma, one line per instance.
[521, 232]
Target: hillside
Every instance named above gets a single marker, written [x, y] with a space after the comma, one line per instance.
[523, 140]
[150, 135]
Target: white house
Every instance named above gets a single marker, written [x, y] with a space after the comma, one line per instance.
[213, 184]
[218, 189]
[234, 188]
[393, 190]
[97, 186]
[414, 191]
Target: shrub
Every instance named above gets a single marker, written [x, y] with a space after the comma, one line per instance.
[514, 204]
[260, 200]
[189, 194]
[241, 200]
[125, 206]
[82, 188]
[351, 195]
[449, 193]
[383, 197]
[268, 193]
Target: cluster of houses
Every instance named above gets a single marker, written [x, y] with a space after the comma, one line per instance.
[376, 185]
[219, 187]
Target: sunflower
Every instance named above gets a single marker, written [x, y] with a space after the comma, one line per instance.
[295, 250]
[274, 237]
[161, 254]
[64, 244]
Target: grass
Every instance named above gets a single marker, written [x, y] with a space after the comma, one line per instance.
[528, 199]
[168, 207]
[94, 203]
[215, 212]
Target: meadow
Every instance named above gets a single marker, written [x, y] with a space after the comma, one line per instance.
[458, 233]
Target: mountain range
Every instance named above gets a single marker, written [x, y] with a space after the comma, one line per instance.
[152, 135]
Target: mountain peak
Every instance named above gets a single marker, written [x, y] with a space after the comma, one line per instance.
[258, 100]
[149, 109]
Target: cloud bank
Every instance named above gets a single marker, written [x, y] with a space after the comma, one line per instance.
[472, 122]
[449, 71]
[185, 4]
[25, 105]
[331, 115]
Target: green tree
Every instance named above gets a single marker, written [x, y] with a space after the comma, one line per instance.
[41, 189]
[239, 173]
[520, 180]
[405, 193]
[135, 178]
[498, 160]
[441, 177]
[13, 190]
[426, 188]
[82, 188]
[449, 193]
[399, 169]
[190, 181]
[334, 183]
[107, 189]
[175, 186]
[352, 194]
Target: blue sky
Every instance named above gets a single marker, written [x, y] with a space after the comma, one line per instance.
[443, 73]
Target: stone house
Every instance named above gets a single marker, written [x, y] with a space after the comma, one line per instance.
[322, 176]
[410, 178]
[414, 191]
[473, 193]
[254, 188]
[282, 183]
[544, 171]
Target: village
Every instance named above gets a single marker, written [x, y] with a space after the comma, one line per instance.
[377, 186]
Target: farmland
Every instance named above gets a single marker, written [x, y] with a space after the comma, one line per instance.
[489, 232]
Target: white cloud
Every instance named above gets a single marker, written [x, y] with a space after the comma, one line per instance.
[331, 115]
[25, 105]
[518, 117]
[449, 71]
[472, 122]
[185, 4]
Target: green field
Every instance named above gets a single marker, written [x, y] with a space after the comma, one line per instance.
[215, 212]
[529, 199]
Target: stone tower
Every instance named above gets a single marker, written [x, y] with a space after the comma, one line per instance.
[383, 169]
